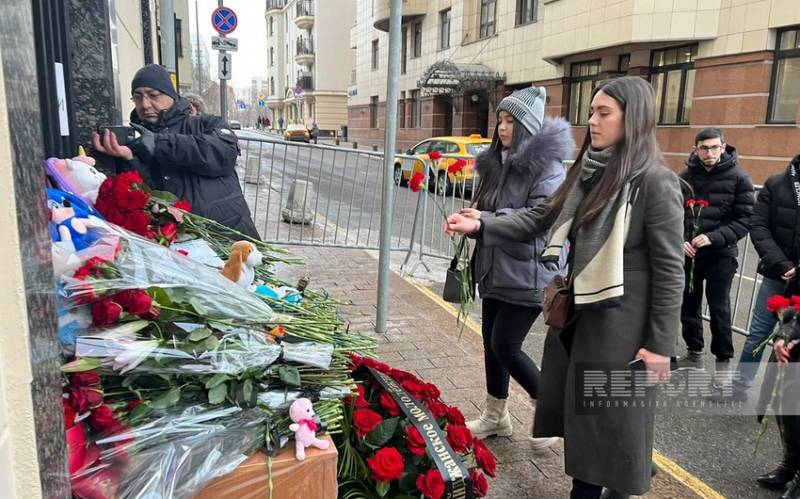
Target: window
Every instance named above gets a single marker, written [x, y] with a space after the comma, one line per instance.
[403, 50]
[178, 38]
[374, 54]
[417, 39]
[672, 75]
[272, 56]
[271, 26]
[373, 111]
[624, 63]
[488, 17]
[785, 92]
[444, 29]
[526, 11]
[416, 110]
[583, 79]
[401, 111]
[422, 147]
[272, 85]
[445, 147]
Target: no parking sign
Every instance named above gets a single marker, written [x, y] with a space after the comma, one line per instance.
[224, 20]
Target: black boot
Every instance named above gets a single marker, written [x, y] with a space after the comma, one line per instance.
[793, 489]
[777, 478]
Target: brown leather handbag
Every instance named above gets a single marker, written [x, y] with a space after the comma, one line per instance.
[556, 302]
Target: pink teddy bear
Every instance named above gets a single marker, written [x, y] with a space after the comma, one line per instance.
[304, 428]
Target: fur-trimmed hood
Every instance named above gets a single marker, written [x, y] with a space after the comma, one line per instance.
[553, 143]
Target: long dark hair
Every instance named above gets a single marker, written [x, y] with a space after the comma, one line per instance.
[637, 150]
[490, 166]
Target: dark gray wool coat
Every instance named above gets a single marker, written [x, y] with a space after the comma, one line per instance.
[613, 447]
[513, 272]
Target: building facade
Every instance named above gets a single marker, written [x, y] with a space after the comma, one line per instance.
[734, 64]
[309, 61]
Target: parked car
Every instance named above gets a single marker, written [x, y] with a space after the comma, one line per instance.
[297, 132]
[452, 149]
[235, 125]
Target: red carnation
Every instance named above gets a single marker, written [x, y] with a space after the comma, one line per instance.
[133, 200]
[386, 465]
[690, 203]
[702, 202]
[182, 204]
[431, 484]
[454, 416]
[69, 414]
[480, 485]
[169, 231]
[88, 378]
[85, 398]
[133, 404]
[435, 155]
[432, 391]
[485, 458]
[415, 387]
[103, 419]
[776, 303]
[438, 409]
[457, 166]
[399, 375]
[416, 445]
[361, 399]
[388, 403]
[134, 301]
[105, 312]
[459, 438]
[128, 178]
[416, 181]
[366, 420]
[137, 222]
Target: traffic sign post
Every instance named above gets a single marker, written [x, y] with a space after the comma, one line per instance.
[224, 20]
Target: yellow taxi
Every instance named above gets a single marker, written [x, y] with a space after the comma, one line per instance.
[297, 132]
[451, 149]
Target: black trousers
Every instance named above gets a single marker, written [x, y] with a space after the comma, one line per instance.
[717, 275]
[504, 329]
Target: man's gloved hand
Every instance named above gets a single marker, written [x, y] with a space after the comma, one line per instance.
[144, 146]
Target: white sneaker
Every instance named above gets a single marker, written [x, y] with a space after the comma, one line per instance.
[543, 443]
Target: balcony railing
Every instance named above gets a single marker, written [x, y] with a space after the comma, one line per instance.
[305, 8]
[306, 83]
[275, 4]
[305, 46]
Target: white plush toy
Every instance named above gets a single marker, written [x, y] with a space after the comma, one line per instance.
[82, 175]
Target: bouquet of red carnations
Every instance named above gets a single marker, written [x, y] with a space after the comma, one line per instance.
[125, 201]
[400, 440]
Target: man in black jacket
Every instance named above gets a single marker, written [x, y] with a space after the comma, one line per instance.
[193, 157]
[710, 243]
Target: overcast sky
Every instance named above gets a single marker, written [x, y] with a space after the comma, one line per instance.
[251, 58]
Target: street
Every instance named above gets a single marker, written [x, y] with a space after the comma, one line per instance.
[718, 450]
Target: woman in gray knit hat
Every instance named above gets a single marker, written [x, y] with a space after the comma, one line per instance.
[522, 168]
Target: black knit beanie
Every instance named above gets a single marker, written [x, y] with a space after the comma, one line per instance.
[154, 76]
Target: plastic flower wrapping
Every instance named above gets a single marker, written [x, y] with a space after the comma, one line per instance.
[173, 374]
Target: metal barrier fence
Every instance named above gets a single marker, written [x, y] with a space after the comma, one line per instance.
[343, 211]
[336, 193]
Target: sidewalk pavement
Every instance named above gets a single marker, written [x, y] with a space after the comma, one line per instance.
[423, 338]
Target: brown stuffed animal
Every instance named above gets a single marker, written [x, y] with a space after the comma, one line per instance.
[240, 267]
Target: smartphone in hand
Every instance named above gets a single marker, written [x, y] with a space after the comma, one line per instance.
[124, 133]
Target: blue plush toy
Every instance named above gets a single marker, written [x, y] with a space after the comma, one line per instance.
[67, 220]
[285, 293]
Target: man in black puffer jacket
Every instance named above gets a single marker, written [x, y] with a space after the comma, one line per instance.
[193, 157]
[710, 243]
